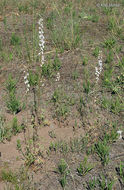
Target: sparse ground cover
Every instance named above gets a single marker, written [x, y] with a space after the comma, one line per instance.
[61, 95]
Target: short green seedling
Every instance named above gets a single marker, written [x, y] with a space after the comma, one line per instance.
[86, 86]
[62, 166]
[102, 150]
[15, 40]
[120, 171]
[96, 51]
[105, 183]
[64, 171]
[92, 184]
[84, 167]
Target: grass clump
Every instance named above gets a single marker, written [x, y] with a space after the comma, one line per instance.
[60, 146]
[102, 150]
[102, 183]
[9, 176]
[67, 35]
[120, 171]
[11, 84]
[84, 167]
[92, 184]
[15, 40]
[16, 128]
[64, 171]
[75, 145]
[8, 130]
[51, 67]
[2, 128]
[62, 166]
[105, 183]
[114, 105]
[33, 78]
[86, 86]
[84, 60]
[62, 103]
[13, 103]
[96, 51]
[20, 180]
[109, 43]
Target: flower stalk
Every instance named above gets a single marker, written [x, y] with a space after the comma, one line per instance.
[26, 81]
[100, 67]
[41, 40]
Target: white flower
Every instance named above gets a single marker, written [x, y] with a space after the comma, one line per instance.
[27, 90]
[120, 134]
[28, 85]
[57, 77]
[25, 77]
[26, 81]
[99, 69]
[41, 41]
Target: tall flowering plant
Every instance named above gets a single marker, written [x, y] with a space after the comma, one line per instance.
[100, 66]
[41, 40]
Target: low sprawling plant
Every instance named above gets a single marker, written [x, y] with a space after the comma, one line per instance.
[28, 154]
[16, 128]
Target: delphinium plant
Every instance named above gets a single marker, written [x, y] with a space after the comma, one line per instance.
[100, 66]
[41, 40]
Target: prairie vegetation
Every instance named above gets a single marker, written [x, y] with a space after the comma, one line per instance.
[61, 95]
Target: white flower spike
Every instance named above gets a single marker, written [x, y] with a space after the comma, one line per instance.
[41, 41]
[26, 81]
[99, 69]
